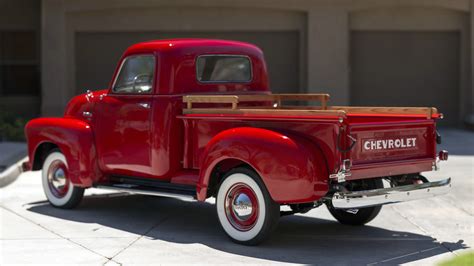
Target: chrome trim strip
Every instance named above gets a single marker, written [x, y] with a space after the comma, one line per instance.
[146, 192]
[375, 197]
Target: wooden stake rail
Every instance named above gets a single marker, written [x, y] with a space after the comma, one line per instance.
[428, 111]
[277, 107]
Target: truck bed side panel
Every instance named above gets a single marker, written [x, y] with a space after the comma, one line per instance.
[200, 130]
[292, 173]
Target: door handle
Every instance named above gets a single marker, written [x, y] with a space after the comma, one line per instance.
[145, 105]
[87, 114]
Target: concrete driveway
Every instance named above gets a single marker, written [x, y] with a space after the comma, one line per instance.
[114, 228]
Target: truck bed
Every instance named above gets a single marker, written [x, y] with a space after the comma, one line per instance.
[273, 104]
[380, 141]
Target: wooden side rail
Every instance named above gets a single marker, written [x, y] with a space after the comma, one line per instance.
[279, 98]
[266, 111]
[275, 98]
[428, 111]
[190, 99]
[278, 108]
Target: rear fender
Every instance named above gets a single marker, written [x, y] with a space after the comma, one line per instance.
[74, 138]
[292, 168]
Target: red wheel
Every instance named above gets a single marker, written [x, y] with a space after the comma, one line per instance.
[241, 207]
[57, 186]
[58, 181]
[245, 209]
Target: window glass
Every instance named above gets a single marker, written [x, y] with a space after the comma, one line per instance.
[223, 68]
[136, 75]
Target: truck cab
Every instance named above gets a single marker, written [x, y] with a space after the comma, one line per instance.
[195, 118]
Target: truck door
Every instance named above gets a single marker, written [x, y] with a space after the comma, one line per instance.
[122, 119]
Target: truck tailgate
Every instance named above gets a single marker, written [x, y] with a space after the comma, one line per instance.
[392, 148]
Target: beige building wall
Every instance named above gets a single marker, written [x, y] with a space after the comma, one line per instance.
[325, 32]
[167, 22]
[427, 25]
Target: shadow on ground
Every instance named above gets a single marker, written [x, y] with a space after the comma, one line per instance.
[298, 239]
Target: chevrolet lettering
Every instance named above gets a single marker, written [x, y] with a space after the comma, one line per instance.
[388, 144]
[195, 119]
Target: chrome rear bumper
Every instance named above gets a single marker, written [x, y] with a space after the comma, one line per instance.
[375, 197]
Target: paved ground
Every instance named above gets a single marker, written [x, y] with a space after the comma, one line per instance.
[128, 229]
[11, 152]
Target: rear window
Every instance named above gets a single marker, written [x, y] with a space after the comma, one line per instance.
[223, 68]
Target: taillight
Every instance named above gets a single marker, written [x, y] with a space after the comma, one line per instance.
[443, 155]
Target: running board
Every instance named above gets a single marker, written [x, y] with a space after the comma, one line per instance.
[153, 191]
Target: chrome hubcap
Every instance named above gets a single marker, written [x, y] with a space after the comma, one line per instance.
[57, 179]
[241, 207]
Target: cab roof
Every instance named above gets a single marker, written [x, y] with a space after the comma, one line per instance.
[177, 65]
[193, 46]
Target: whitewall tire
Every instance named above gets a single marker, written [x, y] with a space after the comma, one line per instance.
[57, 186]
[245, 209]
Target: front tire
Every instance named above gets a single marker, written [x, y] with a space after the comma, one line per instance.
[358, 216]
[244, 207]
[57, 186]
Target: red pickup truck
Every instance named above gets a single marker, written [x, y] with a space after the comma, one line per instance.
[195, 118]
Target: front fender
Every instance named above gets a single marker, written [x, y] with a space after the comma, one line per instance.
[74, 138]
[292, 168]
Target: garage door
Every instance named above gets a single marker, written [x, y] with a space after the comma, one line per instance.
[406, 69]
[97, 54]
